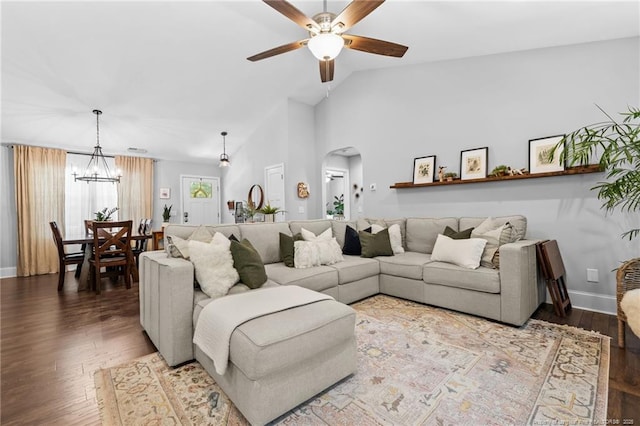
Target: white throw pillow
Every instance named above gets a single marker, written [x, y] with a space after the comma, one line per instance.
[177, 247]
[310, 236]
[305, 254]
[465, 253]
[329, 252]
[493, 243]
[395, 237]
[213, 265]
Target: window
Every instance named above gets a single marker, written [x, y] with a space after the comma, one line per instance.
[83, 199]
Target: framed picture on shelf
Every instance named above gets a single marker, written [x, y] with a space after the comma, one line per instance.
[473, 163]
[539, 161]
[424, 169]
[165, 193]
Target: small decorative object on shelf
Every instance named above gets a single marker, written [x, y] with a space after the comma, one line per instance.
[104, 215]
[441, 173]
[516, 172]
[450, 176]
[269, 212]
[500, 170]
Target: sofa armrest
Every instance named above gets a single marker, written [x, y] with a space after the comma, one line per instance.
[519, 289]
[166, 304]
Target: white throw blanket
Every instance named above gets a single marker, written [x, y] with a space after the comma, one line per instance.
[220, 318]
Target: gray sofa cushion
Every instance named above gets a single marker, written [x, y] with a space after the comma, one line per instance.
[407, 265]
[315, 226]
[518, 222]
[482, 279]
[422, 232]
[274, 342]
[185, 231]
[265, 238]
[317, 278]
[355, 268]
[339, 228]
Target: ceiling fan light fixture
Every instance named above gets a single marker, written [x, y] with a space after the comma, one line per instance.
[224, 158]
[326, 46]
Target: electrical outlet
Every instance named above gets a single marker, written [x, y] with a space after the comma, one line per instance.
[300, 209]
[592, 275]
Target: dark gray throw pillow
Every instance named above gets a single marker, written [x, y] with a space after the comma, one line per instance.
[352, 242]
[375, 244]
[248, 263]
[287, 248]
[457, 235]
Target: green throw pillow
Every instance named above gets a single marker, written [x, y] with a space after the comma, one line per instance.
[286, 248]
[248, 263]
[375, 244]
[457, 235]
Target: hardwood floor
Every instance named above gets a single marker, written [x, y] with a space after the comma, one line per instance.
[51, 344]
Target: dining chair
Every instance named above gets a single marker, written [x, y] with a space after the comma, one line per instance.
[76, 258]
[112, 251]
[144, 228]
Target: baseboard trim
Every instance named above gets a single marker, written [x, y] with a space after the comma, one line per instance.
[594, 302]
[9, 272]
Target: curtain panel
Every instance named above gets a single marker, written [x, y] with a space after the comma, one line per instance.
[39, 188]
[135, 191]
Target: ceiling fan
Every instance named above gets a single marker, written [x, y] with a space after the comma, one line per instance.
[327, 34]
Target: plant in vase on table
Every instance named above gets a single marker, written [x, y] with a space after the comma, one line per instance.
[166, 215]
[270, 212]
[105, 214]
[338, 206]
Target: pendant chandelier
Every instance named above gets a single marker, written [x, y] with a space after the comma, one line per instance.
[97, 170]
[224, 158]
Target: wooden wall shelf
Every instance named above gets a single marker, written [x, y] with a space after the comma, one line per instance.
[580, 170]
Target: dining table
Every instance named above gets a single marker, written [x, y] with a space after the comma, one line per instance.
[86, 240]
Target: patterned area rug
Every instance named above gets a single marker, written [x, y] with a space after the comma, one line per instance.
[416, 365]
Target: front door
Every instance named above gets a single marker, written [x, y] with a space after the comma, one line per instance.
[200, 197]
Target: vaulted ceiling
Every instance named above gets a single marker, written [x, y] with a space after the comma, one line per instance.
[170, 76]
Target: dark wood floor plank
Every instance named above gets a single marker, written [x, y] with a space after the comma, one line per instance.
[52, 343]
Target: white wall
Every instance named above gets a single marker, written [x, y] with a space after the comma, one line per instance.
[167, 175]
[500, 101]
[286, 135]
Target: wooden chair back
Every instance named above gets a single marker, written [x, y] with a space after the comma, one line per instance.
[113, 238]
[57, 237]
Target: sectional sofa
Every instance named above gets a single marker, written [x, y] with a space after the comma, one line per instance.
[170, 304]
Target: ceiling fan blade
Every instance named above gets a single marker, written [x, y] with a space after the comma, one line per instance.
[279, 50]
[354, 13]
[372, 45]
[326, 70]
[290, 11]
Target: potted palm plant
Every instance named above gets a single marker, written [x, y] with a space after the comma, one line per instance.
[166, 215]
[269, 212]
[618, 142]
[338, 206]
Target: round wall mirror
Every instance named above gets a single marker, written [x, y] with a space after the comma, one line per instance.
[256, 196]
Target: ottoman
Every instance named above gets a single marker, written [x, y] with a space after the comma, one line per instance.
[280, 360]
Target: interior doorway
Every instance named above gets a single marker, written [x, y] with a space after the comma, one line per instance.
[342, 184]
[274, 188]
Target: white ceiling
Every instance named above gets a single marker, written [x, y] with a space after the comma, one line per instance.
[170, 76]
